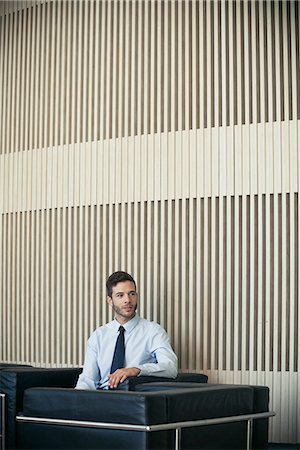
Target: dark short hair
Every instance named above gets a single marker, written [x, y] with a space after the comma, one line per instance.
[115, 278]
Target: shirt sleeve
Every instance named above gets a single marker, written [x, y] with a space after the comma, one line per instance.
[90, 376]
[160, 347]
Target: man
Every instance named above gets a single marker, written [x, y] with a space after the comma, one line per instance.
[147, 345]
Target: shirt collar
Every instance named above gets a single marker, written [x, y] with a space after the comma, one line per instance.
[129, 326]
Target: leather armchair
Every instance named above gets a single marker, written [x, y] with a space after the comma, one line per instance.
[67, 419]
[15, 379]
[5, 365]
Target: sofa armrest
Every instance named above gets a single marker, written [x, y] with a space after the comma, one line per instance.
[14, 381]
[181, 377]
[134, 381]
[12, 365]
[191, 378]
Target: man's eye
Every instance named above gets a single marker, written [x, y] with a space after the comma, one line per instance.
[119, 295]
[133, 294]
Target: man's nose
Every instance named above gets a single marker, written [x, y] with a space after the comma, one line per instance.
[126, 298]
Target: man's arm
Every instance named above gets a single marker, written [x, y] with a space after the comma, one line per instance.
[90, 376]
[166, 365]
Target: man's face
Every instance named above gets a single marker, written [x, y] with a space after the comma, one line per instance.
[124, 301]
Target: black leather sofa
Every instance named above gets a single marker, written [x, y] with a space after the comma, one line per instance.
[68, 419]
[49, 394]
[16, 378]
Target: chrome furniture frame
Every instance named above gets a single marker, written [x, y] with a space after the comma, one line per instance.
[177, 426]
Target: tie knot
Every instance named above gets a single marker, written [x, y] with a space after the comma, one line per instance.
[121, 329]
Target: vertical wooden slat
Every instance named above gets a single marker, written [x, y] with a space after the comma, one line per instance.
[297, 274]
[293, 144]
[184, 282]
[116, 72]
[52, 284]
[69, 275]
[291, 312]
[277, 336]
[51, 61]
[85, 271]
[31, 60]
[269, 282]
[244, 363]
[156, 261]
[9, 310]
[4, 284]
[139, 63]
[61, 74]
[90, 103]
[14, 131]
[40, 76]
[73, 76]
[45, 75]
[221, 290]
[105, 261]
[56, 293]
[95, 64]
[213, 286]
[2, 59]
[26, 316]
[151, 69]
[17, 287]
[170, 275]
[136, 243]
[42, 298]
[1, 278]
[293, 57]
[80, 317]
[172, 67]
[162, 267]
[4, 82]
[260, 298]
[30, 279]
[191, 280]
[98, 282]
[228, 266]
[276, 38]
[237, 286]
[62, 242]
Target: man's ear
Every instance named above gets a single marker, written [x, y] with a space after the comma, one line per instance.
[109, 300]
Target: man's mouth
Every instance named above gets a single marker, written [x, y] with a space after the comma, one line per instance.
[128, 308]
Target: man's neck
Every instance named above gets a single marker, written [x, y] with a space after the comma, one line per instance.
[123, 320]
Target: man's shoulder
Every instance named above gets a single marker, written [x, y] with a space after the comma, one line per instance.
[150, 325]
[102, 329]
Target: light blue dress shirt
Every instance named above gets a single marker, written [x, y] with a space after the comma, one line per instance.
[147, 347]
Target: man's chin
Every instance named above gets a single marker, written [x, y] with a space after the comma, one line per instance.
[129, 314]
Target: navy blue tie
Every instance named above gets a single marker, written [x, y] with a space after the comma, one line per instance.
[119, 353]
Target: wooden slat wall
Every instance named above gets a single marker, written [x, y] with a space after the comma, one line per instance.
[162, 138]
[82, 71]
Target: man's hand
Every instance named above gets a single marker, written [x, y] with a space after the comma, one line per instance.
[120, 375]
